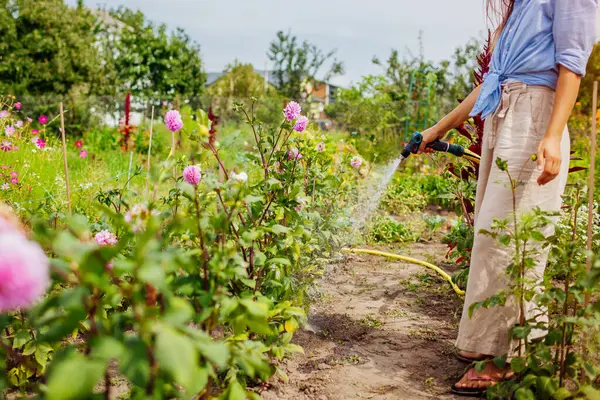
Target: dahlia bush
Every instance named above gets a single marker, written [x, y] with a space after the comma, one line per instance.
[192, 288]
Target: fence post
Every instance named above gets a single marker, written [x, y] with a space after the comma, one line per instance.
[149, 150]
[594, 134]
[64, 145]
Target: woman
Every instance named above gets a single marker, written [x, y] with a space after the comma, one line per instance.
[540, 52]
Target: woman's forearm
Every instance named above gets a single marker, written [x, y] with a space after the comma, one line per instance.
[567, 89]
[460, 114]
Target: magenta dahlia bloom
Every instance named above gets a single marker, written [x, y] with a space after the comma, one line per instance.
[356, 162]
[292, 111]
[301, 124]
[40, 143]
[5, 145]
[24, 272]
[321, 147]
[9, 130]
[18, 105]
[34, 131]
[79, 144]
[106, 238]
[14, 181]
[294, 154]
[173, 120]
[192, 174]
[43, 119]
[83, 153]
[14, 174]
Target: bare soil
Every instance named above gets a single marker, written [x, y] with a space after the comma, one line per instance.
[382, 330]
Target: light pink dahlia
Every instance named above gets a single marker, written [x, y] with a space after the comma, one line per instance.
[173, 120]
[106, 238]
[301, 124]
[83, 153]
[24, 272]
[294, 154]
[9, 130]
[292, 111]
[356, 162]
[192, 174]
[321, 147]
[3, 114]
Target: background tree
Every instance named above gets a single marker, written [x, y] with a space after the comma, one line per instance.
[296, 64]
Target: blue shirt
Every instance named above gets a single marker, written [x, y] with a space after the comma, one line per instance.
[538, 36]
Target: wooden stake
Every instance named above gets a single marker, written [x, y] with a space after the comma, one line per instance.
[594, 135]
[64, 143]
[149, 149]
[129, 170]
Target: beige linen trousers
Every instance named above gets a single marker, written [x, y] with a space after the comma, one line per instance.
[513, 134]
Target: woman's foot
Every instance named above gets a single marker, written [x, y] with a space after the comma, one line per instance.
[475, 383]
[470, 357]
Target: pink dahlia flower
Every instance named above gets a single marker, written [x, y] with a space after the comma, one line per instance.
[9, 130]
[19, 124]
[3, 114]
[356, 162]
[173, 120]
[79, 144]
[40, 143]
[43, 119]
[192, 174]
[14, 181]
[34, 131]
[301, 124]
[292, 111]
[106, 238]
[83, 153]
[18, 105]
[321, 146]
[294, 154]
[24, 272]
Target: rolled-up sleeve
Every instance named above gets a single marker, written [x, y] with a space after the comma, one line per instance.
[574, 33]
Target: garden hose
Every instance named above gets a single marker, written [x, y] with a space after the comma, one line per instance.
[412, 147]
[441, 272]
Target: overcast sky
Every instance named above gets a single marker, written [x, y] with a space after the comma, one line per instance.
[358, 29]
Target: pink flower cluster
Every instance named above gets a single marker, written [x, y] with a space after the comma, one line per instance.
[292, 112]
[24, 268]
[173, 120]
[106, 238]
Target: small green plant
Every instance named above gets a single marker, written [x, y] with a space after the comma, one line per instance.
[388, 230]
[433, 224]
[371, 321]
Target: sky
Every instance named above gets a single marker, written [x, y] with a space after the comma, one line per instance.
[357, 29]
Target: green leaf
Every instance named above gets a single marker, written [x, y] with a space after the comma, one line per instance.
[255, 308]
[562, 394]
[216, 352]
[250, 199]
[590, 393]
[21, 338]
[106, 348]
[539, 236]
[74, 377]
[518, 365]
[281, 261]
[278, 229]
[176, 355]
[179, 311]
[134, 362]
[546, 387]
[524, 394]
[235, 391]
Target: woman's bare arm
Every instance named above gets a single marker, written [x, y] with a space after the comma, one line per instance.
[549, 154]
[453, 120]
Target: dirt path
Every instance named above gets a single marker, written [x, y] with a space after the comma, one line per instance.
[383, 330]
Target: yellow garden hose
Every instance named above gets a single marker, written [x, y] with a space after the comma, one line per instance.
[444, 275]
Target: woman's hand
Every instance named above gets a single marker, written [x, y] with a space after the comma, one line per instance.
[430, 135]
[549, 159]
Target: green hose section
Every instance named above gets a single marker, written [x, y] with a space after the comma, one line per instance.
[441, 272]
